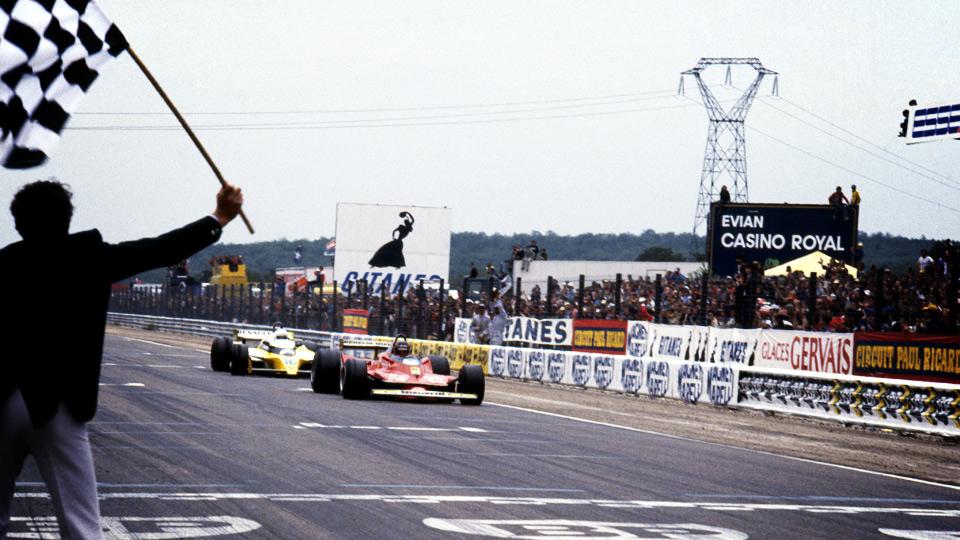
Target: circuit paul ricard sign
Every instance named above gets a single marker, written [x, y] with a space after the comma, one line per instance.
[774, 234]
[391, 247]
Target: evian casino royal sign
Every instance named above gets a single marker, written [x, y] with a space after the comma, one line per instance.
[392, 247]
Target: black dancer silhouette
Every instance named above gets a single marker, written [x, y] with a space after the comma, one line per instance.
[391, 253]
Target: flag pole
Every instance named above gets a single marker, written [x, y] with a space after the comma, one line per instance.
[186, 127]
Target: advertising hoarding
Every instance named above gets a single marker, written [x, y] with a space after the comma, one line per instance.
[391, 246]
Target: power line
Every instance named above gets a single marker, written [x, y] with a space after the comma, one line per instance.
[381, 123]
[635, 96]
[868, 151]
[851, 171]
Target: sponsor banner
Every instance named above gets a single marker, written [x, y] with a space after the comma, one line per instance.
[557, 332]
[599, 336]
[776, 233]
[640, 338]
[699, 342]
[548, 332]
[391, 247]
[694, 382]
[907, 356]
[671, 341]
[355, 321]
[818, 352]
[731, 345]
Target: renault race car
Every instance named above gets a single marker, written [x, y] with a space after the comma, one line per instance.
[360, 370]
[263, 351]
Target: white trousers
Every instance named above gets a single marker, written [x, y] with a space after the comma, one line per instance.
[62, 452]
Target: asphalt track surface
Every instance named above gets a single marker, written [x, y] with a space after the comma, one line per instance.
[184, 452]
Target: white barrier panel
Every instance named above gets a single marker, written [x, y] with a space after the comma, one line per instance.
[818, 352]
[552, 332]
[726, 345]
[693, 382]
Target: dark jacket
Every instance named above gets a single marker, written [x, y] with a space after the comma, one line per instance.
[59, 293]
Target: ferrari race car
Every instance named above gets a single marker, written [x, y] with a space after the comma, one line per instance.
[272, 351]
[360, 370]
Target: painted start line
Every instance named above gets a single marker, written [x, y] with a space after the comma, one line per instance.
[163, 528]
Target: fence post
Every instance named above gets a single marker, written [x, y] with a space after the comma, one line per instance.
[366, 295]
[583, 284]
[420, 301]
[383, 310]
[658, 298]
[400, 325]
[704, 291]
[516, 298]
[333, 302]
[812, 299]
[441, 319]
[463, 298]
[549, 297]
[616, 294]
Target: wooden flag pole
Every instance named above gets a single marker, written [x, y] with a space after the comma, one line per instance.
[186, 127]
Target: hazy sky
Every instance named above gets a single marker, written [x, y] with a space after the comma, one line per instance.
[520, 116]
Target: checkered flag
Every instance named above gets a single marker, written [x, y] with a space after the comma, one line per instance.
[51, 51]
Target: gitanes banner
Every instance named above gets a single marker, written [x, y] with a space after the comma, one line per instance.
[819, 352]
[392, 247]
[773, 234]
[550, 332]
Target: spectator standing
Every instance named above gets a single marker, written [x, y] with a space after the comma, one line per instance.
[498, 320]
[854, 196]
[924, 261]
[480, 325]
[724, 195]
[44, 411]
[530, 253]
[839, 203]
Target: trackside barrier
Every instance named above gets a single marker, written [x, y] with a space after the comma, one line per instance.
[693, 382]
[197, 327]
[891, 403]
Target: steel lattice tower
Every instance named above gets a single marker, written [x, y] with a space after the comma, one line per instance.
[726, 154]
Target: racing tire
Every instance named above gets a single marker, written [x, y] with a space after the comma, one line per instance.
[440, 364]
[470, 381]
[325, 372]
[239, 359]
[312, 346]
[354, 383]
[220, 354]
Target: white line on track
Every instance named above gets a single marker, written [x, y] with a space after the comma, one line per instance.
[152, 343]
[761, 452]
[129, 384]
[659, 506]
[316, 425]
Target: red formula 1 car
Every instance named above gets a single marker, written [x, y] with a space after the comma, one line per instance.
[360, 370]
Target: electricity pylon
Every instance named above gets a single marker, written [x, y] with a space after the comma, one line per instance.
[725, 159]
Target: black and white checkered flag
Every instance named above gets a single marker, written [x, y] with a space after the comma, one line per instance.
[51, 51]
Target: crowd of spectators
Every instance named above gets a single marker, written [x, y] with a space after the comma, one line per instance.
[916, 300]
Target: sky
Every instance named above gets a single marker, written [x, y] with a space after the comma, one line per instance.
[518, 115]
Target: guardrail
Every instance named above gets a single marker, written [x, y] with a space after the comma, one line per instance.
[888, 403]
[197, 327]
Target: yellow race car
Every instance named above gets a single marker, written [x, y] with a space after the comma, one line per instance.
[274, 351]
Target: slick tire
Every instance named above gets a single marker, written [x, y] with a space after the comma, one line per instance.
[470, 381]
[325, 372]
[440, 364]
[239, 359]
[354, 383]
[220, 354]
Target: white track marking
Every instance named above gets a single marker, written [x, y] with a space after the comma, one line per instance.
[590, 530]
[659, 506]
[129, 384]
[138, 340]
[141, 528]
[761, 452]
[316, 425]
[921, 535]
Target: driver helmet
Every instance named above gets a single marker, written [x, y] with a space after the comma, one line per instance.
[280, 333]
[402, 348]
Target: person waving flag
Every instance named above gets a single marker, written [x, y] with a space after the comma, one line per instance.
[51, 52]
